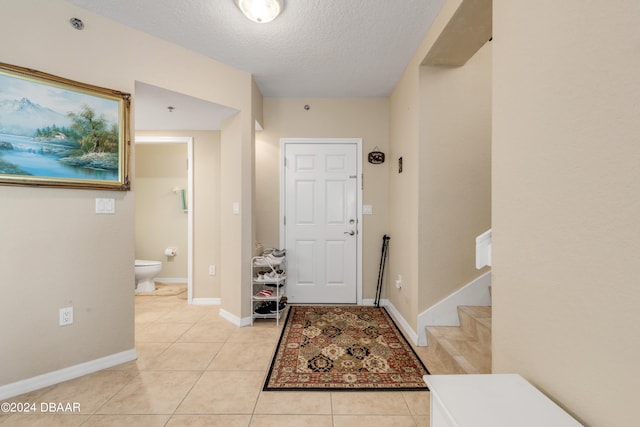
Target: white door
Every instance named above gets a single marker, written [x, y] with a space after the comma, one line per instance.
[321, 222]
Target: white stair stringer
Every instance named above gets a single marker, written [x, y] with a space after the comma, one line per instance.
[445, 312]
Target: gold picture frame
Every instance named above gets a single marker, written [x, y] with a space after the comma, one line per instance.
[56, 132]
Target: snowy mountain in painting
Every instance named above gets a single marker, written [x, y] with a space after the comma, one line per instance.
[22, 117]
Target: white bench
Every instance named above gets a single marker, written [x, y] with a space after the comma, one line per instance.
[500, 400]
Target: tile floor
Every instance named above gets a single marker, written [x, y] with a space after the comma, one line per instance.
[195, 369]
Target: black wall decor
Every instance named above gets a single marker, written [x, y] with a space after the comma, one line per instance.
[376, 156]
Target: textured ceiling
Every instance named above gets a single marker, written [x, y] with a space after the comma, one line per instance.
[316, 48]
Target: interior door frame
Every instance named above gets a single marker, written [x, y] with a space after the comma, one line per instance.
[189, 141]
[358, 143]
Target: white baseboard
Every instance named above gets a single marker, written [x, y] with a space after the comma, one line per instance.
[409, 333]
[206, 301]
[24, 386]
[445, 312]
[371, 302]
[238, 321]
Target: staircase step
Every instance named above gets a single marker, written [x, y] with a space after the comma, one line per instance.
[472, 356]
[440, 352]
[476, 323]
[465, 349]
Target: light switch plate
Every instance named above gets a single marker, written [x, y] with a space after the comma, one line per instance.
[367, 210]
[105, 206]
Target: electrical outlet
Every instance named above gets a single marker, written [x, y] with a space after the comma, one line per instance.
[399, 282]
[66, 316]
[212, 270]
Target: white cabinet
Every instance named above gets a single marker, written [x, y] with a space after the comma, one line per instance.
[497, 400]
[268, 287]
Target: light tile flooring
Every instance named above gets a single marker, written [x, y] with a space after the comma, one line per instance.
[196, 369]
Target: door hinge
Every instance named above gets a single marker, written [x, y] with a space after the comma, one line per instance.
[285, 220]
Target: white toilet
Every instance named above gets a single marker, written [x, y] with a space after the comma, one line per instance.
[146, 271]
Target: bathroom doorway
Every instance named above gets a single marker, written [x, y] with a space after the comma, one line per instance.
[164, 205]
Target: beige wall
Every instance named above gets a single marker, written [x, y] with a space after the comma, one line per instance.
[326, 118]
[83, 259]
[231, 173]
[206, 206]
[566, 180]
[404, 188]
[403, 195]
[454, 173]
[161, 221]
[206, 201]
[257, 103]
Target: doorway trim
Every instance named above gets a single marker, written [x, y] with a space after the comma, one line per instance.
[189, 141]
[358, 142]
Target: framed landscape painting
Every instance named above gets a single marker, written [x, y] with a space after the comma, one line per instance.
[56, 132]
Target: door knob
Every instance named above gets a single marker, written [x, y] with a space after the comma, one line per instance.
[350, 233]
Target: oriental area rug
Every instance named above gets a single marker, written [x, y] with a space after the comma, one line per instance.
[343, 348]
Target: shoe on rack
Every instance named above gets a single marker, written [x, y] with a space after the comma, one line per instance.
[279, 307]
[263, 308]
[265, 293]
[278, 253]
[273, 285]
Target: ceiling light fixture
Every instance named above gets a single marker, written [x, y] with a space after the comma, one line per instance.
[260, 11]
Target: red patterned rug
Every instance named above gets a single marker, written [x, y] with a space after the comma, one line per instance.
[343, 348]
